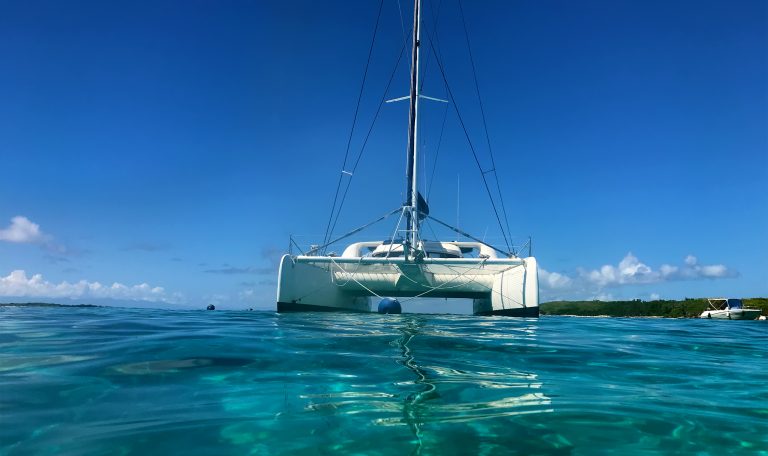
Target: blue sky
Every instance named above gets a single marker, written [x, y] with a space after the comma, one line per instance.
[161, 153]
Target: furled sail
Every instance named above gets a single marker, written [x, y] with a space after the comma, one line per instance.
[422, 206]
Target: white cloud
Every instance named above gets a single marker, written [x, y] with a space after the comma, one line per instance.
[654, 297]
[603, 297]
[693, 270]
[23, 231]
[713, 271]
[217, 298]
[668, 271]
[247, 294]
[554, 280]
[629, 271]
[17, 284]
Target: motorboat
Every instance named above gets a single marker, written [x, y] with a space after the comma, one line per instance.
[729, 309]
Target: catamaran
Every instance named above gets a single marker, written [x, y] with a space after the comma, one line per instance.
[407, 265]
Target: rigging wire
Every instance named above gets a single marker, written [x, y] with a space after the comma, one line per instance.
[367, 136]
[336, 212]
[437, 152]
[435, 17]
[469, 142]
[354, 122]
[464, 233]
[482, 114]
[402, 23]
[314, 250]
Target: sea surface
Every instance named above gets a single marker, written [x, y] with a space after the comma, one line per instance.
[118, 381]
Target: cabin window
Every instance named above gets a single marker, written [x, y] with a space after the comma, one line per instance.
[734, 303]
[442, 255]
[386, 253]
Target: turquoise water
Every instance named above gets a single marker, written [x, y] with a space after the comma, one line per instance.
[125, 381]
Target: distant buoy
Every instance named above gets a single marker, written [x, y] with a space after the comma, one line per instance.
[390, 306]
[210, 307]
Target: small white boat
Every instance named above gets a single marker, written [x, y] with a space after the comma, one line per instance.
[729, 309]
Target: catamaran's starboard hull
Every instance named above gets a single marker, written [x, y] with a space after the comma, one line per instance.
[497, 286]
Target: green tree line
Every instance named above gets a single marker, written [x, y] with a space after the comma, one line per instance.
[687, 308]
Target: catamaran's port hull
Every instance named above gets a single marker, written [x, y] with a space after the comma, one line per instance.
[497, 286]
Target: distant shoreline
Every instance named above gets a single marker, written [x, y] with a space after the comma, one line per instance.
[687, 308]
[43, 304]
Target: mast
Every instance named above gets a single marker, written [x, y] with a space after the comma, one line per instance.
[412, 161]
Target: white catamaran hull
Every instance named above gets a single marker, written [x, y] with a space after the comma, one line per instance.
[497, 286]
